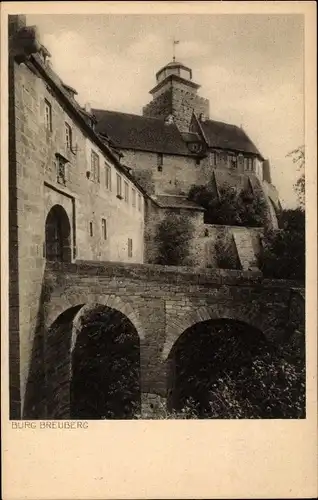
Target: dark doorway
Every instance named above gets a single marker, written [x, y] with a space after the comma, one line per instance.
[227, 369]
[57, 235]
[105, 367]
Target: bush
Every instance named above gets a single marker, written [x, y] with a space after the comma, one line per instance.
[173, 235]
[230, 208]
[282, 254]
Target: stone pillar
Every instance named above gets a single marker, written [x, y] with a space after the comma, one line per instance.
[153, 407]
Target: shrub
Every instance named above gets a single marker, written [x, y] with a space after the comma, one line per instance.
[283, 252]
[230, 208]
[173, 235]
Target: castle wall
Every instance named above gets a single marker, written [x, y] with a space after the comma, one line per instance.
[178, 173]
[35, 186]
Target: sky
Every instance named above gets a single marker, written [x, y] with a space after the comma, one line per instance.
[250, 67]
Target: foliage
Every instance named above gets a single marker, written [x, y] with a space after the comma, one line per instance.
[173, 235]
[283, 252]
[230, 208]
[228, 372]
[298, 158]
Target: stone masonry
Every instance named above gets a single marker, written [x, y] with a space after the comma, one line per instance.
[161, 303]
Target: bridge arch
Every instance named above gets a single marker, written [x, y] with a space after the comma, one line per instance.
[249, 315]
[79, 352]
[60, 302]
[209, 365]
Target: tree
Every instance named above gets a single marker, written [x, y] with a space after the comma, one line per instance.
[229, 208]
[283, 251]
[298, 158]
[173, 235]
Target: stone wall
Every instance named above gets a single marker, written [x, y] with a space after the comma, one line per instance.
[161, 302]
[209, 234]
[34, 189]
[177, 174]
[180, 100]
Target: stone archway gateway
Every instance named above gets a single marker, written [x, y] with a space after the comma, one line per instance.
[58, 235]
[97, 375]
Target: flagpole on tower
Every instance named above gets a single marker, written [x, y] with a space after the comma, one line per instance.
[174, 43]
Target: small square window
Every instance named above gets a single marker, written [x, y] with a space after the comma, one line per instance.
[130, 247]
[48, 115]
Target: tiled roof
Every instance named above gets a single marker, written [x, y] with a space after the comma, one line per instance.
[129, 131]
[171, 201]
[226, 136]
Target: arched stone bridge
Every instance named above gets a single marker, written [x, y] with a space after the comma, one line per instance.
[161, 302]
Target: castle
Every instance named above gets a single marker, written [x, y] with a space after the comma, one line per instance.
[92, 185]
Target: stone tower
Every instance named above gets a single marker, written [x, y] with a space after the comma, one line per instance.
[176, 94]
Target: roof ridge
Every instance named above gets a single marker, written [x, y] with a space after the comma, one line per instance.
[161, 120]
[222, 123]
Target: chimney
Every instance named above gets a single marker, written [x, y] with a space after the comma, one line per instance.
[202, 117]
[88, 108]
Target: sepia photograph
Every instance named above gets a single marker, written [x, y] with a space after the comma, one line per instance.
[156, 217]
[158, 250]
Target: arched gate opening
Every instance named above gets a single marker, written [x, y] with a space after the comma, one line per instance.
[58, 235]
[221, 369]
[92, 358]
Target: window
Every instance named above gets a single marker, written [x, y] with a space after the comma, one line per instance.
[119, 187]
[126, 192]
[104, 229]
[213, 159]
[95, 171]
[108, 177]
[249, 164]
[68, 136]
[133, 195]
[130, 247]
[48, 115]
[233, 161]
[91, 232]
[159, 162]
[139, 202]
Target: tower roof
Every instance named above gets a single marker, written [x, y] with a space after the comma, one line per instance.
[174, 65]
